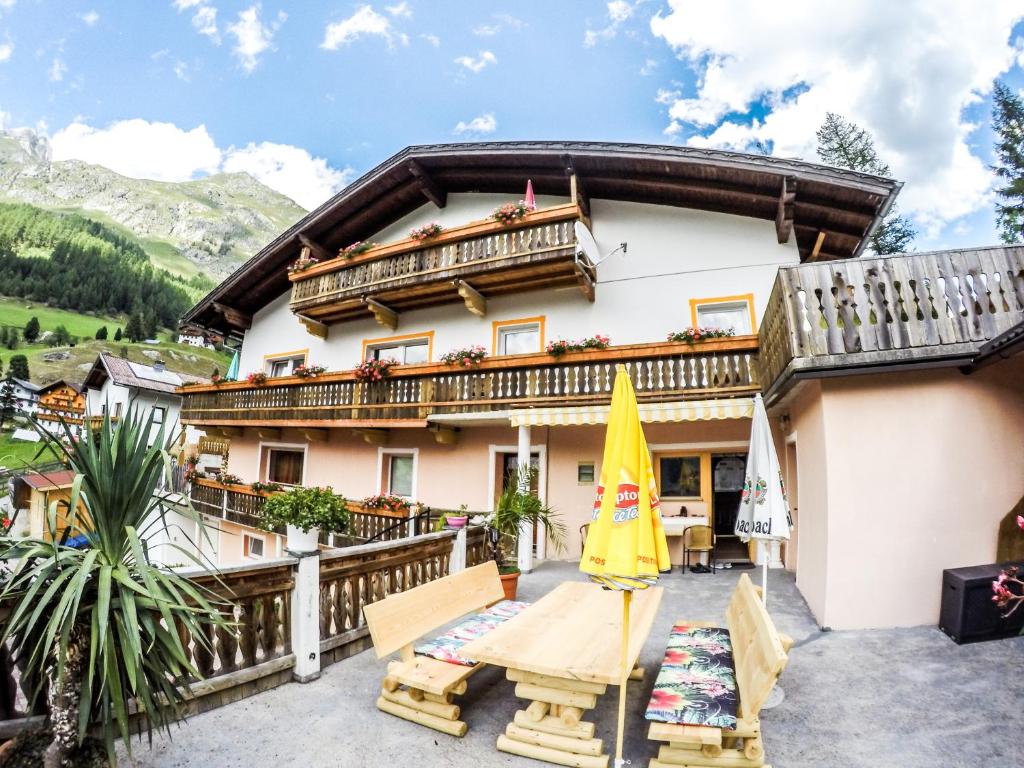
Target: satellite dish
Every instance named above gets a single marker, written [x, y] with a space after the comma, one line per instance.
[586, 246]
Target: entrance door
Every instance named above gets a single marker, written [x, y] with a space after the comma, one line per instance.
[727, 472]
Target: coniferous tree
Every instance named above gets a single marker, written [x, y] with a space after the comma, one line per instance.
[8, 402]
[31, 332]
[12, 338]
[134, 330]
[150, 324]
[844, 144]
[4, 332]
[118, 334]
[18, 367]
[1008, 124]
[101, 333]
[62, 336]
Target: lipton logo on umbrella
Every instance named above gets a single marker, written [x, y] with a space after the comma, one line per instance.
[597, 503]
[627, 503]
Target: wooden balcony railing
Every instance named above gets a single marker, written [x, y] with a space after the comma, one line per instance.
[925, 308]
[492, 258]
[660, 372]
[240, 504]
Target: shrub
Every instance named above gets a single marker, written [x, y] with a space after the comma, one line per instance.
[306, 508]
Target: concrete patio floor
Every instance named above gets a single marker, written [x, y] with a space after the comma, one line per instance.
[905, 698]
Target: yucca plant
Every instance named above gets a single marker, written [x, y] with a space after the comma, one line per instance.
[98, 628]
[515, 512]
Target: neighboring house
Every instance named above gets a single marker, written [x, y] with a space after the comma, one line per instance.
[61, 400]
[194, 340]
[113, 384]
[33, 494]
[27, 395]
[897, 463]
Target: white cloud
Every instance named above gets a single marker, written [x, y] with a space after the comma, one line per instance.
[292, 171]
[434, 40]
[487, 30]
[205, 23]
[477, 65]
[90, 18]
[6, 5]
[402, 10]
[364, 22]
[182, 5]
[57, 70]
[181, 71]
[6, 51]
[252, 37]
[619, 11]
[140, 149]
[164, 152]
[904, 71]
[649, 66]
[481, 124]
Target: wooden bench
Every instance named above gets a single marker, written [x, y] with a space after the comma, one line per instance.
[419, 688]
[759, 654]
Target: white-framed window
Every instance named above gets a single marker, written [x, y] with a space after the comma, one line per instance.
[283, 465]
[734, 314]
[159, 413]
[252, 546]
[398, 472]
[284, 365]
[518, 339]
[409, 351]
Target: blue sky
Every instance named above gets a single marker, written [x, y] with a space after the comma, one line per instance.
[307, 96]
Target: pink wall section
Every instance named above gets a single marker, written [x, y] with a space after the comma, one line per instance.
[448, 476]
[918, 469]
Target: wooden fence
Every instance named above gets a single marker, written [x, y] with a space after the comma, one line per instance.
[354, 577]
[258, 654]
[862, 313]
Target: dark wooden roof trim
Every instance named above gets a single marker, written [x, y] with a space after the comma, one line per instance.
[846, 202]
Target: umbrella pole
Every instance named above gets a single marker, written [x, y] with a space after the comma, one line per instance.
[764, 572]
[627, 597]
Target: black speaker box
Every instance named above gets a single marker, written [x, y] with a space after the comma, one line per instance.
[968, 614]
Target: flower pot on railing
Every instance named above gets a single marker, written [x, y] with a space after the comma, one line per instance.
[303, 541]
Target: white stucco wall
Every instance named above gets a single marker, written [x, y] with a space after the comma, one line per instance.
[675, 254]
[112, 394]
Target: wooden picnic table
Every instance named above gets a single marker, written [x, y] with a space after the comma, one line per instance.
[563, 652]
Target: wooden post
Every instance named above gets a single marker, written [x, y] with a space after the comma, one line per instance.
[627, 597]
[457, 560]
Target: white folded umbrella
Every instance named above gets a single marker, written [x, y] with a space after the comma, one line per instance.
[764, 510]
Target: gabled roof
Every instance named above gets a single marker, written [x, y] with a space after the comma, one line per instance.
[845, 205]
[49, 480]
[25, 384]
[136, 375]
[61, 383]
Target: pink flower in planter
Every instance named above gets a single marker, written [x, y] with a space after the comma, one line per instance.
[1020, 522]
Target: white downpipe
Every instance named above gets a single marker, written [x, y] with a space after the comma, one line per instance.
[523, 463]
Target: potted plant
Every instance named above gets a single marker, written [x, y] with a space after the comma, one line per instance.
[510, 212]
[514, 512]
[426, 232]
[374, 370]
[305, 512]
[308, 371]
[693, 335]
[84, 620]
[466, 357]
[386, 502]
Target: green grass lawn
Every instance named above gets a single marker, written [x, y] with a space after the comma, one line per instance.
[16, 454]
[17, 312]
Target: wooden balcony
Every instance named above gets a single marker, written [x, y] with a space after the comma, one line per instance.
[660, 372]
[464, 264]
[926, 309]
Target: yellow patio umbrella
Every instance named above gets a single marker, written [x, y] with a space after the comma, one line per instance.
[626, 547]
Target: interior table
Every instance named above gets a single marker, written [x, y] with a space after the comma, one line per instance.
[562, 653]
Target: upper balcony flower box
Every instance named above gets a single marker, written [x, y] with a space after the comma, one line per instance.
[466, 263]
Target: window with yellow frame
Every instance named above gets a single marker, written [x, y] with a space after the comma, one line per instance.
[517, 337]
[283, 363]
[725, 312]
[406, 349]
[683, 476]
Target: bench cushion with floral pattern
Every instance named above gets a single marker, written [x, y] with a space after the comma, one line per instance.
[446, 647]
[697, 681]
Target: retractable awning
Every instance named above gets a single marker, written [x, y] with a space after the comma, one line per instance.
[689, 410]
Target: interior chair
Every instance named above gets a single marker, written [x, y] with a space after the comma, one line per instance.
[699, 538]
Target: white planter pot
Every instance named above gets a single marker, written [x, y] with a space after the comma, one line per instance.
[298, 541]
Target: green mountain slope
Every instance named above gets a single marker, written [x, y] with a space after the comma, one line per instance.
[204, 227]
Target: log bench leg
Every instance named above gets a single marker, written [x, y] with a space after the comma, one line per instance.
[417, 706]
[550, 727]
